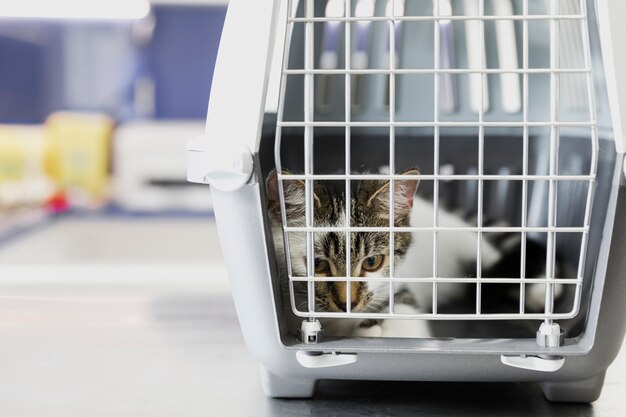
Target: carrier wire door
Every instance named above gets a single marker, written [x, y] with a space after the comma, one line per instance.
[397, 14]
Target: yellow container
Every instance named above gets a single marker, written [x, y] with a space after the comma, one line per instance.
[22, 151]
[23, 181]
[79, 146]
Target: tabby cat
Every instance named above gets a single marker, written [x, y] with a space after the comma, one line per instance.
[370, 254]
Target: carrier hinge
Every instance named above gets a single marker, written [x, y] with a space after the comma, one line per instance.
[311, 331]
[550, 335]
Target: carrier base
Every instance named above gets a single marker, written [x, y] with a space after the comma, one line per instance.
[583, 391]
[277, 387]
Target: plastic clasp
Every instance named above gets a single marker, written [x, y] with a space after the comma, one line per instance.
[534, 363]
[225, 166]
[324, 360]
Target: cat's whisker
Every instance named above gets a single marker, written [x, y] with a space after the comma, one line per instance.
[376, 306]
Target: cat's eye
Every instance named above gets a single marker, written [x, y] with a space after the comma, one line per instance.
[373, 263]
[321, 266]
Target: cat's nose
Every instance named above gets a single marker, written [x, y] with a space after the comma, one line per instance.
[340, 296]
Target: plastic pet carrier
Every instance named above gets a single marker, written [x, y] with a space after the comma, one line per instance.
[501, 120]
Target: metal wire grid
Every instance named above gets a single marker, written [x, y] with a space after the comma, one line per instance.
[554, 125]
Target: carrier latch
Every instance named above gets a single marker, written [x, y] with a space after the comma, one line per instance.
[534, 363]
[223, 165]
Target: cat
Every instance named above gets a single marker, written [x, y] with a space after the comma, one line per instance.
[369, 251]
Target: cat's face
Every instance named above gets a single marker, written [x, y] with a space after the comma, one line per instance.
[370, 255]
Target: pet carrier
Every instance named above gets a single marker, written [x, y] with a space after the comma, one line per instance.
[509, 113]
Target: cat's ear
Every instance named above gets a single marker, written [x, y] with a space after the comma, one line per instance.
[403, 196]
[293, 191]
[273, 200]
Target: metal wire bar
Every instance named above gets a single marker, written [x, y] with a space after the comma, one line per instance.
[309, 101]
[433, 18]
[441, 316]
[348, 133]
[278, 138]
[524, 219]
[481, 159]
[441, 280]
[392, 147]
[437, 139]
[475, 229]
[554, 159]
[440, 123]
[594, 142]
[486, 177]
[400, 71]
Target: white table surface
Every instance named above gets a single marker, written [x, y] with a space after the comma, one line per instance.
[133, 318]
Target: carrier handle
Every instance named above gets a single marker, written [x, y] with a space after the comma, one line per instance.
[222, 156]
[324, 360]
[534, 363]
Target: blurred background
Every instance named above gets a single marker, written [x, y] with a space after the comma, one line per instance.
[97, 100]
[113, 291]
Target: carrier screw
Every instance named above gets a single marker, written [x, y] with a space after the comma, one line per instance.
[550, 335]
[311, 331]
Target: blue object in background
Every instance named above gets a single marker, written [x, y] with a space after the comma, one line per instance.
[48, 66]
[181, 59]
[21, 80]
[30, 62]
